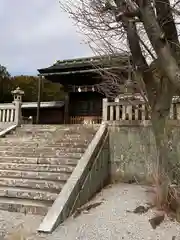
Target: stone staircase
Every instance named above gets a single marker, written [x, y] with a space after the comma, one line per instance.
[35, 163]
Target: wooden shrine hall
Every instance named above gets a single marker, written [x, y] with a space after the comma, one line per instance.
[80, 78]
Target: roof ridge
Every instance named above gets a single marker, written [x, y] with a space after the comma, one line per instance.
[85, 59]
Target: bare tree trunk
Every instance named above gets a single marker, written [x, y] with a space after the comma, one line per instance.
[159, 42]
[166, 45]
[159, 93]
[160, 127]
[166, 22]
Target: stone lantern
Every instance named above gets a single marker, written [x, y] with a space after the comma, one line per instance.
[17, 94]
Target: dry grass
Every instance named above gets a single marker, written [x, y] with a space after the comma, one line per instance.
[167, 196]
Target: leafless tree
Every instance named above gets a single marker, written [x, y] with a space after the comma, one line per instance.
[148, 30]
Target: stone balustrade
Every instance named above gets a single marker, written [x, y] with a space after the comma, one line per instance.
[134, 107]
[11, 112]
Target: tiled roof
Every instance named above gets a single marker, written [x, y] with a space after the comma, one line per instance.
[86, 63]
[92, 60]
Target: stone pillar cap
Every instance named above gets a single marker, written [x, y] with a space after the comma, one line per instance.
[18, 91]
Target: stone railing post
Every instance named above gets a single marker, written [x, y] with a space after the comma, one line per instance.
[117, 109]
[178, 110]
[17, 94]
[105, 110]
[171, 112]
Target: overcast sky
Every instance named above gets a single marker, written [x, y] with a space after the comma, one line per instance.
[36, 33]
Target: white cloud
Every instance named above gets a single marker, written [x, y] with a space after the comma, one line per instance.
[36, 33]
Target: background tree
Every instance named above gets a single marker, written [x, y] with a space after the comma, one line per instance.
[148, 30]
[4, 72]
[29, 84]
[5, 85]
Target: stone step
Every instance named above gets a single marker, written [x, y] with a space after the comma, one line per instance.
[40, 125]
[31, 194]
[34, 175]
[38, 167]
[39, 132]
[60, 127]
[71, 141]
[80, 134]
[49, 139]
[21, 144]
[35, 143]
[75, 144]
[34, 126]
[70, 149]
[39, 150]
[25, 137]
[67, 143]
[24, 205]
[33, 160]
[66, 148]
[46, 139]
[20, 141]
[36, 133]
[35, 163]
[46, 155]
[49, 132]
[53, 186]
[76, 139]
[54, 130]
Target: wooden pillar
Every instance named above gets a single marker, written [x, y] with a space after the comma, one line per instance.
[66, 109]
[39, 99]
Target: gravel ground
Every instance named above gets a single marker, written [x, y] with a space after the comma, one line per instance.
[108, 221]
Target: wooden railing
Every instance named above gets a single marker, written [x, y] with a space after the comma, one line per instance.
[120, 109]
[85, 120]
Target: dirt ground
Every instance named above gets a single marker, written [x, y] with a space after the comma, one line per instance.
[112, 219]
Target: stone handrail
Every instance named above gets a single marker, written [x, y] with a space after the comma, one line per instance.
[88, 177]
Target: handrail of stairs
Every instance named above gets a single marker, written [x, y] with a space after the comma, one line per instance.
[8, 130]
[89, 176]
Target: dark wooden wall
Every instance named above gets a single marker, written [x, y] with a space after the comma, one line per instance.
[85, 104]
[46, 116]
[80, 104]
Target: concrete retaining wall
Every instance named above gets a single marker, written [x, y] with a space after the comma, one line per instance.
[133, 151]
